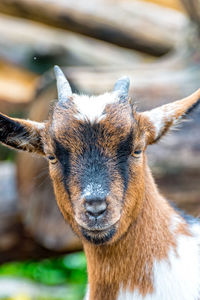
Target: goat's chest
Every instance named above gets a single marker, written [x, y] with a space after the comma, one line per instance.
[177, 278]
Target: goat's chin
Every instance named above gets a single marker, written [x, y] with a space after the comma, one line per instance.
[99, 237]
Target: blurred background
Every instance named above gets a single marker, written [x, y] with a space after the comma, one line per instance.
[156, 43]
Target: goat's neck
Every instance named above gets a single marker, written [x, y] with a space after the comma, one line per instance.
[128, 262]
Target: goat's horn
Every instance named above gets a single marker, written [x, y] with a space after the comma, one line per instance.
[63, 87]
[122, 86]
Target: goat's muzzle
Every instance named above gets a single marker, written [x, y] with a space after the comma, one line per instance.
[95, 207]
[94, 222]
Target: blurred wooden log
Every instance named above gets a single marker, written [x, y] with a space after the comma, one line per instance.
[175, 4]
[24, 42]
[16, 242]
[134, 25]
[17, 87]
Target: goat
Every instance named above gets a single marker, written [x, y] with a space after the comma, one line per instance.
[137, 245]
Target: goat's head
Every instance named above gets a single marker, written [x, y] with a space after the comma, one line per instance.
[96, 152]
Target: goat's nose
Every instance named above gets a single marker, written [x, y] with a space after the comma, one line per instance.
[95, 207]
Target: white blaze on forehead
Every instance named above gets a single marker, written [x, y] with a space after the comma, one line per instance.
[92, 108]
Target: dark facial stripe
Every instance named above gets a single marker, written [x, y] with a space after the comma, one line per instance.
[93, 162]
[123, 152]
[63, 156]
[94, 170]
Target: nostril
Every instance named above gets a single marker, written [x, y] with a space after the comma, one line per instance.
[95, 208]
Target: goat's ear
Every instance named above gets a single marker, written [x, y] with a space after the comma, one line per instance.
[159, 120]
[21, 134]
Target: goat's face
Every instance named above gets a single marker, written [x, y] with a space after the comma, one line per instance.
[95, 148]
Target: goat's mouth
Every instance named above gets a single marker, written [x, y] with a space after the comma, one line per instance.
[99, 236]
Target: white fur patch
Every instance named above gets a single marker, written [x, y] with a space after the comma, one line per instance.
[92, 108]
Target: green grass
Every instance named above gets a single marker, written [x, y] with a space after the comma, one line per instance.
[69, 269]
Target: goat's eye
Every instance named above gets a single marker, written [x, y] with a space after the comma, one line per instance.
[137, 153]
[52, 159]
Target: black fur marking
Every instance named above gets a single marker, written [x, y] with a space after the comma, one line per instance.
[63, 156]
[94, 170]
[123, 152]
[99, 238]
[92, 161]
[195, 105]
[11, 131]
